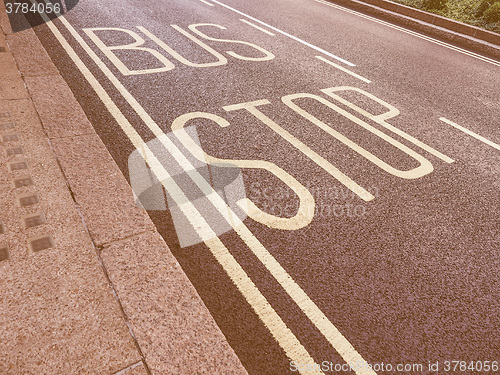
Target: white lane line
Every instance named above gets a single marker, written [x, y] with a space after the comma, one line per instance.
[471, 133]
[285, 338]
[257, 27]
[343, 69]
[286, 34]
[206, 2]
[421, 36]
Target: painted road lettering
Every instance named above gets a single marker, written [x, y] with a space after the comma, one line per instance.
[134, 46]
[221, 60]
[423, 169]
[305, 212]
[267, 55]
[322, 162]
[137, 45]
[425, 165]
[382, 118]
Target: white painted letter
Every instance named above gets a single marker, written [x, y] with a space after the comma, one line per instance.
[221, 60]
[107, 50]
[322, 162]
[306, 205]
[268, 55]
[381, 119]
[424, 168]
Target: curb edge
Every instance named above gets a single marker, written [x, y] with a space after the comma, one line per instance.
[468, 36]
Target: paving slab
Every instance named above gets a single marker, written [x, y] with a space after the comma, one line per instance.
[4, 19]
[155, 294]
[58, 313]
[58, 316]
[31, 57]
[12, 89]
[8, 65]
[106, 200]
[60, 117]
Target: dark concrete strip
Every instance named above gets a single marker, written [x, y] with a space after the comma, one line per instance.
[471, 37]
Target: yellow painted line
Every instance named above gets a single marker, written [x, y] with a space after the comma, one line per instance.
[310, 309]
[257, 27]
[285, 338]
[471, 133]
[421, 36]
[206, 2]
[343, 69]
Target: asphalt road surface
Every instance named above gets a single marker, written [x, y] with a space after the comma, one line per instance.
[329, 181]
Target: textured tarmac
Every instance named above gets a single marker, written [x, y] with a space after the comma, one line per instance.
[410, 277]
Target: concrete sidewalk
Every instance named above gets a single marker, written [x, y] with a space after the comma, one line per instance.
[87, 285]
